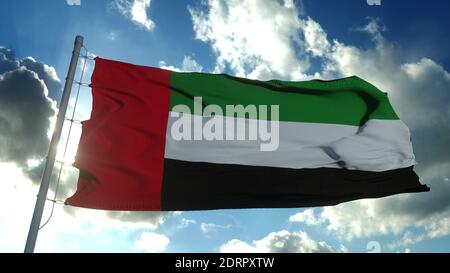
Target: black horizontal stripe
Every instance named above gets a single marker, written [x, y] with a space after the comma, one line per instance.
[200, 186]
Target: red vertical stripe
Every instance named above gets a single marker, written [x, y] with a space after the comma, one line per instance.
[121, 151]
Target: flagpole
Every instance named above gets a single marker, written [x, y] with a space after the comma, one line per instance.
[51, 156]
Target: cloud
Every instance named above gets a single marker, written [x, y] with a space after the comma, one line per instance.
[73, 2]
[209, 227]
[374, 27]
[184, 223]
[315, 38]
[152, 242]
[281, 242]
[25, 112]
[237, 246]
[28, 89]
[138, 219]
[17, 198]
[307, 217]
[46, 73]
[8, 60]
[26, 115]
[83, 230]
[136, 11]
[257, 40]
[188, 65]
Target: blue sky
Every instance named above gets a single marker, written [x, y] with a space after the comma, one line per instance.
[400, 46]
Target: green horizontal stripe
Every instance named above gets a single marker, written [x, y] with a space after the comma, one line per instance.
[350, 101]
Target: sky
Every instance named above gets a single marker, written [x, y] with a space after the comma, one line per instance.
[399, 46]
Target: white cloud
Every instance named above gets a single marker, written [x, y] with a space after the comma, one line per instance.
[280, 242]
[15, 192]
[237, 246]
[257, 39]
[315, 38]
[374, 27]
[73, 2]
[189, 64]
[307, 216]
[407, 239]
[163, 65]
[45, 70]
[209, 227]
[184, 223]
[136, 11]
[152, 242]
[81, 230]
[137, 219]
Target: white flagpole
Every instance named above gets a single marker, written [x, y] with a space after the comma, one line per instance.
[45, 182]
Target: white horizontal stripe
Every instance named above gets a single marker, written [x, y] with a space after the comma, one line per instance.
[379, 145]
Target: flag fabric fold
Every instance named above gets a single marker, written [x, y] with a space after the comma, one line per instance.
[336, 141]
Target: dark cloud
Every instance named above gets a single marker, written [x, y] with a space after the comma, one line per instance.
[25, 112]
[8, 62]
[28, 90]
[47, 74]
[6, 54]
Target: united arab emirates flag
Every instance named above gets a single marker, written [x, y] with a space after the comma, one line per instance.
[164, 140]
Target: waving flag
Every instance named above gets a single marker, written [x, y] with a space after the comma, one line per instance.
[164, 140]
